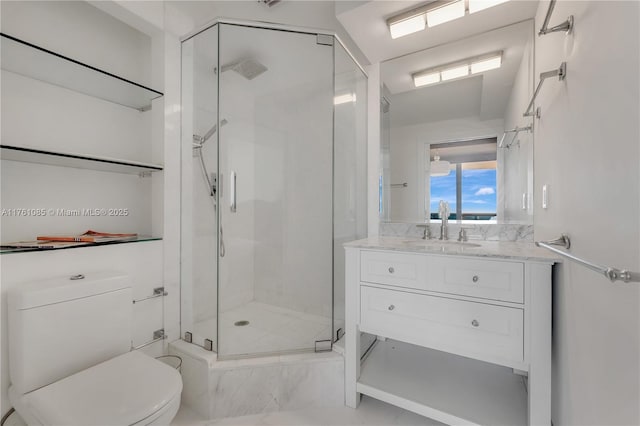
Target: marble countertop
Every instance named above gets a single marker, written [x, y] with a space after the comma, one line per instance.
[497, 249]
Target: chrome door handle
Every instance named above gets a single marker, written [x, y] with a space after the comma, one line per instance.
[232, 190]
[223, 250]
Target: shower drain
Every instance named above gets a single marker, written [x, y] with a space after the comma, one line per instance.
[241, 323]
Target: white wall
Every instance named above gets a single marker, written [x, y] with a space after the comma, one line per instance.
[587, 152]
[408, 150]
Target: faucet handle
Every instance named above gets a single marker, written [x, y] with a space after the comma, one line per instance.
[427, 231]
[462, 235]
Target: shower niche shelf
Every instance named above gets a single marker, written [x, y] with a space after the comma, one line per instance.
[38, 63]
[62, 159]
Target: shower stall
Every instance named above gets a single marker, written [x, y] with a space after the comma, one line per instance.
[273, 183]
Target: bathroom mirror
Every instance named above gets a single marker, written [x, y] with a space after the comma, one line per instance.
[461, 135]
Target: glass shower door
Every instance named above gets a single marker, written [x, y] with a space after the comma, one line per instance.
[199, 154]
[275, 159]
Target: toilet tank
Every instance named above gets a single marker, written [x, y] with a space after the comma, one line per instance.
[60, 326]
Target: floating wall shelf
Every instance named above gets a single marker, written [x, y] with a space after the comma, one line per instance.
[8, 249]
[32, 155]
[32, 61]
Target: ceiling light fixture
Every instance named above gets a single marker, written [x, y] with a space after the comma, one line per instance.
[478, 5]
[435, 13]
[487, 63]
[445, 13]
[426, 78]
[344, 99]
[407, 26]
[455, 72]
[439, 168]
[459, 69]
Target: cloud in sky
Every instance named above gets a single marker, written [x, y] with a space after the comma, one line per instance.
[485, 191]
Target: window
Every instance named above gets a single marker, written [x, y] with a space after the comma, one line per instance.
[470, 188]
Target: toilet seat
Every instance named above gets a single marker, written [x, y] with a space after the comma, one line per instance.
[130, 389]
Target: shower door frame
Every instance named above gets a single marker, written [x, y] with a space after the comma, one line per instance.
[186, 335]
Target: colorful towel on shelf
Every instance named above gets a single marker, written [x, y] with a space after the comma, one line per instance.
[88, 237]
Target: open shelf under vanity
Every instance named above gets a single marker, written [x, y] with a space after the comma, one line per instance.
[450, 388]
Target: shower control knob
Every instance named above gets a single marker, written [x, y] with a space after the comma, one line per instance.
[475, 278]
[391, 307]
[391, 270]
[475, 323]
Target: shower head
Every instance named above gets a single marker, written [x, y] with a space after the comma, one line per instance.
[200, 140]
[248, 68]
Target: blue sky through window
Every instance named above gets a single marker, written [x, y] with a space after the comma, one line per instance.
[478, 191]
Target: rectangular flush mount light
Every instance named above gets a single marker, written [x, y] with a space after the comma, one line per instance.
[446, 13]
[426, 78]
[434, 13]
[458, 69]
[455, 72]
[478, 5]
[486, 64]
[344, 99]
[407, 26]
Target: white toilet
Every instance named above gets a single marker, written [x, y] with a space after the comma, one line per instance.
[70, 361]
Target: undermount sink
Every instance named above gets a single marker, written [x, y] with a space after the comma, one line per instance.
[442, 244]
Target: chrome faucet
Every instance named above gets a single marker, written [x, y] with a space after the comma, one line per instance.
[427, 231]
[444, 215]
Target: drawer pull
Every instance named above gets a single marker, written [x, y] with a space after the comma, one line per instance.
[391, 270]
[391, 307]
[475, 323]
[475, 278]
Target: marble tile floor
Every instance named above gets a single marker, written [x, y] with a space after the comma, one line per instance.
[271, 329]
[371, 412]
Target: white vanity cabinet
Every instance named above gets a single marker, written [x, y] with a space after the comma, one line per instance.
[463, 338]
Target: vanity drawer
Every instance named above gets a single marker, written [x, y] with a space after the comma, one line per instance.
[467, 328]
[487, 279]
[400, 269]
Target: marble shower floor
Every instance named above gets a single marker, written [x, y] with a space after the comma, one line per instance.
[271, 329]
[371, 412]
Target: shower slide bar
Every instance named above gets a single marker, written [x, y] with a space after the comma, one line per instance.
[613, 274]
[399, 185]
[561, 72]
[566, 26]
[157, 292]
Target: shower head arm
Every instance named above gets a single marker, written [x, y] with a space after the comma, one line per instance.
[212, 131]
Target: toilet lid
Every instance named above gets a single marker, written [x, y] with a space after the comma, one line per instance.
[121, 391]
